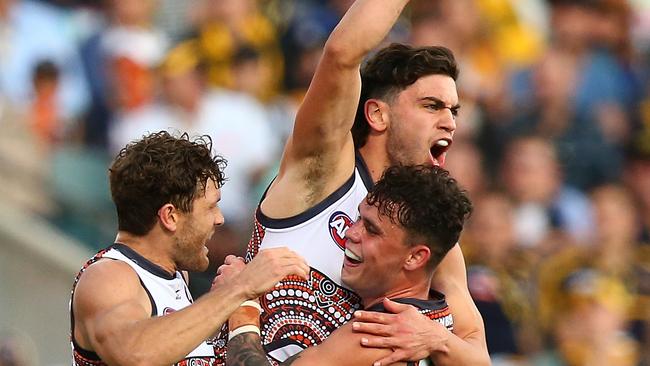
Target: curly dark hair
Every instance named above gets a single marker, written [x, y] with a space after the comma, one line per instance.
[160, 169]
[392, 70]
[427, 202]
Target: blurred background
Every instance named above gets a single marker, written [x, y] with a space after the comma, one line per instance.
[553, 145]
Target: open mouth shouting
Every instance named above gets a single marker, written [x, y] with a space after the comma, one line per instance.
[439, 150]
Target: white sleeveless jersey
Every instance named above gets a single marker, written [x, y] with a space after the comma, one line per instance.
[298, 313]
[168, 293]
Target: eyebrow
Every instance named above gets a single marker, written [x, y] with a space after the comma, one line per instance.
[440, 103]
[367, 221]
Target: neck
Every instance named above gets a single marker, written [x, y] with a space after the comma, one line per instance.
[419, 290]
[149, 247]
[376, 160]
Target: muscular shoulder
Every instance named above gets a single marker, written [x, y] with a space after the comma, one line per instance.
[108, 271]
[105, 282]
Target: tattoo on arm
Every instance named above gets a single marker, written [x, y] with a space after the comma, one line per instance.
[246, 350]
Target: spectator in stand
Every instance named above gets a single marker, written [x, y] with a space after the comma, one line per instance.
[582, 95]
[119, 61]
[614, 252]
[45, 119]
[637, 178]
[588, 323]
[465, 164]
[531, 175]
[499, 277]
[224, 27]
[33, 31]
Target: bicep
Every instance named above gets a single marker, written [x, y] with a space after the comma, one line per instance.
[450, 278]
[326, 115]
[105, 309]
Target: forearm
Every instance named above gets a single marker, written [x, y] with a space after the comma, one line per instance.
[170, 338]
[468, 345]
[363, 28]
[246, 350]
[458, 351]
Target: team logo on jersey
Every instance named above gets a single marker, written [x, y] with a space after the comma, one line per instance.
[338, 225]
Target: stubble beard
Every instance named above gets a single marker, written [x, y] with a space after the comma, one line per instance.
[397, 150]
[189, 250]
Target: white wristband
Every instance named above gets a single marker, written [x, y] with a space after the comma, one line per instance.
[243, 329]
[253, 304]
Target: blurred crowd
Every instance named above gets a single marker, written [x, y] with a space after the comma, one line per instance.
[553, 139]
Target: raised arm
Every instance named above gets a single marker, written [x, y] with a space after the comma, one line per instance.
[319, 154]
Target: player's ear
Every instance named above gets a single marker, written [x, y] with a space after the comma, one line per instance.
[376, 113]
[418, 257]
[168, 216]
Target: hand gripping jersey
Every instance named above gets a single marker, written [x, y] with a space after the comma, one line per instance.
[167, 293]
[435, 308]
[298, 313]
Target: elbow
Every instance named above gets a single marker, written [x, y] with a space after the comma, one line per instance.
[342, 54]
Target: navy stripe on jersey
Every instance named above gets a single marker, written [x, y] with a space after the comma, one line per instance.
[143, 262]
[310, 213]
[363, 171]
[435, 302]
[288, 222]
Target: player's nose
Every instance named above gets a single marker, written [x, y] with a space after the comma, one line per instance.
[219, 219]
[353, 233]
[448, 121]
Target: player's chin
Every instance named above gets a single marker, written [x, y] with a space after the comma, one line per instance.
[347, 275]
[201, 264]
[201, 261]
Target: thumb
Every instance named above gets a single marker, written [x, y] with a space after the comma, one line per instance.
[395, 307]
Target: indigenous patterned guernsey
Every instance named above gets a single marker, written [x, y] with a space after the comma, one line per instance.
[167, 293]
[298, 313]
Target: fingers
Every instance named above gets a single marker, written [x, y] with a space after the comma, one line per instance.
[394, 357]
[229, 269]
[379, 342]
[372, 328]
[302, 270]
[269, 267]
[373, 317]
[396, 307]
[286, 261]
[232, 259]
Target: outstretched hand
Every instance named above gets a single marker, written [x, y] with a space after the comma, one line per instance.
[411, 335]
